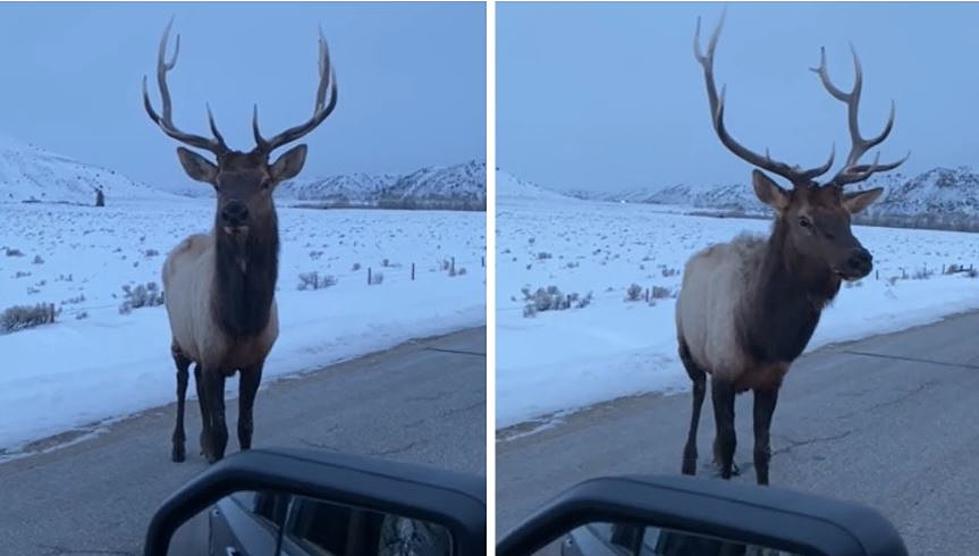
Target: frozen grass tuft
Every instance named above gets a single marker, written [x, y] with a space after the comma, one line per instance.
[20, 317]
[148, 295]
[314, 281]
[552, 299]
[633, 293]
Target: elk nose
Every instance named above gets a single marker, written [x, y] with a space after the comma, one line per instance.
[234, 213]
[860, 261]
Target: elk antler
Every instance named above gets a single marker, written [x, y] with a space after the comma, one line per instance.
[321, 109]
[216, 145]
[854, 172]
[794, 174]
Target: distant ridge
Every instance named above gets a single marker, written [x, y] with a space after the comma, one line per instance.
[30, 174]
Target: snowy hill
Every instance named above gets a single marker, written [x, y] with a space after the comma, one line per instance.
[940, 195]
[460, 186]
[353, 189]
[29, 173]
[512, 188]
[940, 190]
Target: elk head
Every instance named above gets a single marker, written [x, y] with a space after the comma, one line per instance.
[243, 181]
[815, 217]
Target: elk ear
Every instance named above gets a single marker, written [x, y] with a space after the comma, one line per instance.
[859, 200]
[196, 166]
[289, 164]
[769, 192]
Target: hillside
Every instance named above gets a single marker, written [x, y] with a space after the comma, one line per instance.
[461, 186]
[29, 173]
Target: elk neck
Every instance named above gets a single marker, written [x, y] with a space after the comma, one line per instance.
[245, 275]
[783, 304]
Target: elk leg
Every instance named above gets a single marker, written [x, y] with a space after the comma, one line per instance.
[765, 401]
[202, 400]
[722, 394]
[215, 407]
[179, 452]
[247, 388]
[699, 378]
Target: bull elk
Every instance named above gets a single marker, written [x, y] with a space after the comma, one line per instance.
[220, 286]
[747, 308]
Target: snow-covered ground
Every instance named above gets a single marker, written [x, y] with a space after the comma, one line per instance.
[107, 364]
[558, 361]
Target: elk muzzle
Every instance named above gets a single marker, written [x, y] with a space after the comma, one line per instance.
[234, 215]
[858, 264]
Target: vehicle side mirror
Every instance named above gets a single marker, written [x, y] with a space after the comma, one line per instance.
[314, 501]
[685, 516]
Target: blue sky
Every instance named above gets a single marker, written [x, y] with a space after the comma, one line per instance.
[609, 96]
[411, 79]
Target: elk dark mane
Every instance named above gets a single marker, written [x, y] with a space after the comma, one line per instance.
[783, 305]
[244, 279]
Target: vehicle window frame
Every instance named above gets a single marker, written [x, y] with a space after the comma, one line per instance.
[250, 507]
[293, 545]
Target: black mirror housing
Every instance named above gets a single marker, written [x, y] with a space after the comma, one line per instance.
[772, 517]
[453, 500]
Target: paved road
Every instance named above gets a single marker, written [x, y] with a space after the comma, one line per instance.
[891, 421]
[422, 402]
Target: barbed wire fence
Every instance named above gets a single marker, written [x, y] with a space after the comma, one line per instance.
[367, 275]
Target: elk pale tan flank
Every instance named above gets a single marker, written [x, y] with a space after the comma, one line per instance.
[220, 286]
[747, 308]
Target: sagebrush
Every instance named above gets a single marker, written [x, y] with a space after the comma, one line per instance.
[20, 317]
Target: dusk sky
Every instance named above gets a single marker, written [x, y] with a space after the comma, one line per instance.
[609, 96]
[412, 81]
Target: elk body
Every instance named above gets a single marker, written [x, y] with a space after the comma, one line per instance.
[747, 308]
[220, 286]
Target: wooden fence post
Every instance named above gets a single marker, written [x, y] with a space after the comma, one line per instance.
[412, 272]
[368, 276]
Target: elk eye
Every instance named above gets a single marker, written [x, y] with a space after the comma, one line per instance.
[805, 222]
[266, 184]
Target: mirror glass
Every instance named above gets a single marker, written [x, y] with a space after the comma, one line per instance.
[251, 523]
[627, 539]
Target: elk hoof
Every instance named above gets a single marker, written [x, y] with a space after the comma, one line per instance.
[689, 467]
[179, 454]
[719, 471]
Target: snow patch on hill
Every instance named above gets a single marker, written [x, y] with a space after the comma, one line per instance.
[31, 174]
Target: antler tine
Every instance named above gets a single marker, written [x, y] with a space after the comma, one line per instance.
[165, 122]
[852, 171]
[794, 174]
[214, 127]
[322, 108]
[820, 170]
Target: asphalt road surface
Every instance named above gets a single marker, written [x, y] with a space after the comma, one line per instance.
[422, 402]
[891, 421]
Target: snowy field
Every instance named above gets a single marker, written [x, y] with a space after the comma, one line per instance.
[558, 361]
[95, 363]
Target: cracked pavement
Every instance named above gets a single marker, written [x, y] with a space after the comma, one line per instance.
[888, 421]
[422, 402]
